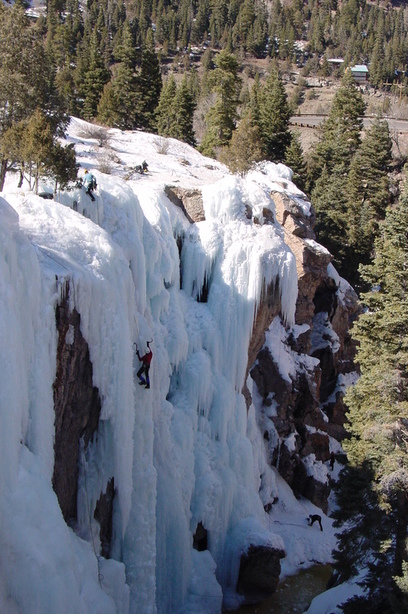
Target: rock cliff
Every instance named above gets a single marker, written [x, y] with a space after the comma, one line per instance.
[299, 410]
[299, 415]
[77, 407]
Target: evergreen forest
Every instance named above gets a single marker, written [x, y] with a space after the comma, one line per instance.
[176, 68]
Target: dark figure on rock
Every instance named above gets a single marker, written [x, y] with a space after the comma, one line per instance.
[315, 518]
[146, 359]
[142, 168]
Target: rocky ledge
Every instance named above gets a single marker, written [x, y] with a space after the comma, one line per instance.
[298, 416]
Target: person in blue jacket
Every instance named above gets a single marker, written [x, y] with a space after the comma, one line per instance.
[90, 184]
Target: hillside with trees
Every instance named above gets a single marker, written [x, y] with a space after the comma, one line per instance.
[373, 492]
[192, 70]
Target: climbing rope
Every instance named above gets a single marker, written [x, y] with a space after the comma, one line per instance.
[47, 254]
[289, 524]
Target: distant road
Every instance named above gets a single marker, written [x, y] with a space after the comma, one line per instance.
[312, 121]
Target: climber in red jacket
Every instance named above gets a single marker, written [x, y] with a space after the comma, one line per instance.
[145, 360]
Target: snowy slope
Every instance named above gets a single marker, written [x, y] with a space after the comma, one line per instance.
[187, 450]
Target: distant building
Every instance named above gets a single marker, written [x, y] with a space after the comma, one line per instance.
[335, 61]
[360, 73]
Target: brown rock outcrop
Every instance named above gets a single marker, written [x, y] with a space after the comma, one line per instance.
[307, 408]
[290, 215]
[77, 405]
[189, 201]
[269, 307]
[259, 573]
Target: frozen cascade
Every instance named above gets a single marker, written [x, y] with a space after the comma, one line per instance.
[185, 452]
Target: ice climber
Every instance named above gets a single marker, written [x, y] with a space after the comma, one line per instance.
[145, 360]
[90, 184]
[315, 518]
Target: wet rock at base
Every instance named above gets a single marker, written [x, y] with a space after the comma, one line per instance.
[103, 514]
[259, 572]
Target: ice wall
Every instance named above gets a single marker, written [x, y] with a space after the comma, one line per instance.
[185, 451]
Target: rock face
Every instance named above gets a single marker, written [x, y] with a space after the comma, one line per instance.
[77, 406]
[103, 514]
[77, 409]
[190, 201]
[300, 409]
[259, 573]
[300, 413]
[291, 216]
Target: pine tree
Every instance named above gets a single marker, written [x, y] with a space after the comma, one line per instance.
[149, 85]
[186, 22]
[378, 70]
[145, 21]
[259, 33]
[95, 77]
[330, 166]
[62, 165]
[32, 146]
[26, 76]
[378, 411]
[221, 118]
[294, 158]
[341, 133]
[242, 31]
[330, 202]
[274, 116]
[368, 195]
[185, 105]
[244, 148]
[166, 111]
[201, 23]
[65, 84]
[218, 20]
[107, 111]
[125, 86]
[359, 515]
[254, 100]
[10, 147]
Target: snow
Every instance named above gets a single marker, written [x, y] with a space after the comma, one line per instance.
[316, 469]
[317, 247]
[289, 362]
[205, 592]
[187, 450]
[343, 287]
[323, 334]
[329, 602]
[344, 380]
[290, 442]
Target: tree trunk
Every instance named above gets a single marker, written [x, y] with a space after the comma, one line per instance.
[401, 552]
[20, 182]
[3, 171]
